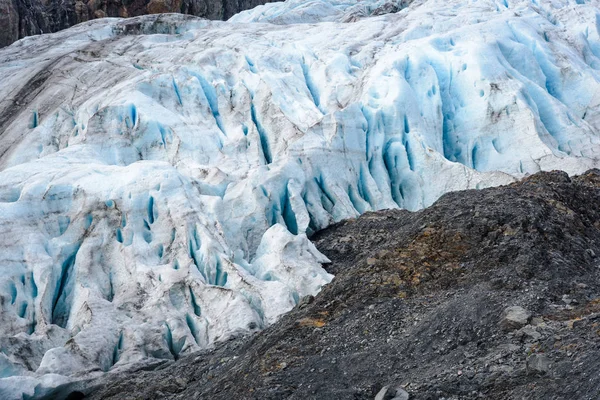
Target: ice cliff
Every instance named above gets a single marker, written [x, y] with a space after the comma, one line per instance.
[159, 175]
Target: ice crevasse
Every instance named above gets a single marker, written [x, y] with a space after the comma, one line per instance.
[159, 176]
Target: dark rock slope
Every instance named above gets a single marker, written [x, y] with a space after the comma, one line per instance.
[490, 294]
[20, 18]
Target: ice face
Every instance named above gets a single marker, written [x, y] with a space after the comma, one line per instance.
[159, 175]
[314, 11]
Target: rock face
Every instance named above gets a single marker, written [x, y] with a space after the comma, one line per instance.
[9, 21]
[21, 18]
[423, 317]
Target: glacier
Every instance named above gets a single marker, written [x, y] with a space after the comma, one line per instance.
[160, 176]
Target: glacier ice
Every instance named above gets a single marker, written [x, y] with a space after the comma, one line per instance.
[159, 175]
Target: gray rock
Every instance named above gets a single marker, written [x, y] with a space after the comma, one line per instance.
[392, 393]
[306, 300]
[529, 332]
[539, 363]
[537, 321]
[514, 317]
[591, 253]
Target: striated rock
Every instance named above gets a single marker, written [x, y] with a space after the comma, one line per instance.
[9, 21]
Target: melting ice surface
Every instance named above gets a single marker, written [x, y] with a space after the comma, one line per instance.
[159, 175]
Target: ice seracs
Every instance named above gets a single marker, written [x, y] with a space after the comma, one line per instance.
[159, 175]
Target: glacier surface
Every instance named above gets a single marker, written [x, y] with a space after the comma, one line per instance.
[159, 175]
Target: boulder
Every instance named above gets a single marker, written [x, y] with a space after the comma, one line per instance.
[514, 317]
[392, 393]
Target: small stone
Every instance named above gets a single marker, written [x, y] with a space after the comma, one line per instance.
[577, 323]
[530, 332]
[539, 363]
[514, 317]
[536, 321]
[306, 300]
[392, 393]
[591, 253]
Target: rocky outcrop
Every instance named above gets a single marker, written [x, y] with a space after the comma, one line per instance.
[9, 21]
[20, 18]
[418, 305]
